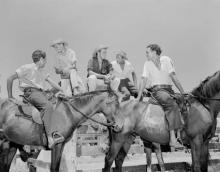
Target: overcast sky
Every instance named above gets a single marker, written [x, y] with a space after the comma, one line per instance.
[187, 30]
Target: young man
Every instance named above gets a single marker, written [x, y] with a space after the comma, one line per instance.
[159, 73]
[32, 81]
[124, 70]
[99, 70]
[71, 83]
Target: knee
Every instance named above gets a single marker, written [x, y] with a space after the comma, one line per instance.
[91, 78]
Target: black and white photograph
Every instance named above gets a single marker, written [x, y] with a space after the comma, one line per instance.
[109, 86]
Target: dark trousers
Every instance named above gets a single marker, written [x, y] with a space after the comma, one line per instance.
[162, 95]
[129, 85]
[39, 100]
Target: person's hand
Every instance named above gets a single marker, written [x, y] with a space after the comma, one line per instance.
[105, 77]
[109, 77]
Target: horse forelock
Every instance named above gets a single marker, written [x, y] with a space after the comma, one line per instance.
[209, 87]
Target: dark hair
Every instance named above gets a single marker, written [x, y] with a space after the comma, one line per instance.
[37, 55]
[155, 47]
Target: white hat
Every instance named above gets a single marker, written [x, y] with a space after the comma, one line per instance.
[59, 41]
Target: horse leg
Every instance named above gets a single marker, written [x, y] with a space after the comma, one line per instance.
[204, 157]
[158, 152]
[148, 151]
[111, 155]
[121, 156]
[7, 154]
[195, 151]
[56, 154]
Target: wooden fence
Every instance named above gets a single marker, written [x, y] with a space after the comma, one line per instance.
[92, 143]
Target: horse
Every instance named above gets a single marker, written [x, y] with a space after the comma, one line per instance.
[73, 112]
[148, 121]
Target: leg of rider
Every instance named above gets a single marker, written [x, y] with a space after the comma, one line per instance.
[39, 100]
[114, 84]
[171, 111]
[74, 79]
[92, 82]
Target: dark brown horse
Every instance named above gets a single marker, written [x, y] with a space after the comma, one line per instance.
[23, 131]
[148, 121]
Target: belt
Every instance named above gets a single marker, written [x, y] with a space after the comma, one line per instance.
[162, 86]
[27, 89]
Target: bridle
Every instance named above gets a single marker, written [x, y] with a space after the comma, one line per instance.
[111, 124]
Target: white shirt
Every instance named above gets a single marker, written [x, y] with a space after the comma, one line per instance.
[156, 76]
[31, 73]
[125, 73]
[66, 60]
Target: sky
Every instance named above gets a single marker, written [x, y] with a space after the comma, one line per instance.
[188, 31]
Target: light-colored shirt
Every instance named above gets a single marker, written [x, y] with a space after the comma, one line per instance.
[156, 76]
[67, 59]
[33, 74]
[125, 73]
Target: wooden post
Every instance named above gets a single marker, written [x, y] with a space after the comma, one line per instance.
[69, 159]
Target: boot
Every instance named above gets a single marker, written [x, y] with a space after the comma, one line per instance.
[55, 139]
[174, 144]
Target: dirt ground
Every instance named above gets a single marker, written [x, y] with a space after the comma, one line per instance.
[94, 164]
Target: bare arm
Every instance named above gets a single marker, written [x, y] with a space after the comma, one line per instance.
[176, 82]
[99, 76]
[142, 86]
[10, 81]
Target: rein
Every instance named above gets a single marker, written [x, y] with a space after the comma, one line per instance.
[201, 97]
[99, 122]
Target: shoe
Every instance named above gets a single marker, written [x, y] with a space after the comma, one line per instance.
[57, 138]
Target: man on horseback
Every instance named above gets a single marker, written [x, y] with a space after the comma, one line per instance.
[32, 81]
[158, 74]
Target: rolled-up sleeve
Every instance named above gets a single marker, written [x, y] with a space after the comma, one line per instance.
[22, 71]
[168, 64]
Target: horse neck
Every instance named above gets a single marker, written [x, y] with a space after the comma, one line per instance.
[88, 110]
[215, 105]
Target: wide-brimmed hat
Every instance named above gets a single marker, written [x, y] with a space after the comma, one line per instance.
[59, 41]
[122, 53]
[100, 47]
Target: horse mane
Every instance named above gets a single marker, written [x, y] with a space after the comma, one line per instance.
[85, 98]
[209, 87]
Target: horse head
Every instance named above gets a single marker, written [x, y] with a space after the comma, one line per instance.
[208, 93]
[85, 105]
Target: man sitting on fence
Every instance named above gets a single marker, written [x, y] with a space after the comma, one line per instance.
[124, 70]
[99, 70]
[71, 82]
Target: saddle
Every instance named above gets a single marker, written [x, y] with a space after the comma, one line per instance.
[28, 111]
[182, 101]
